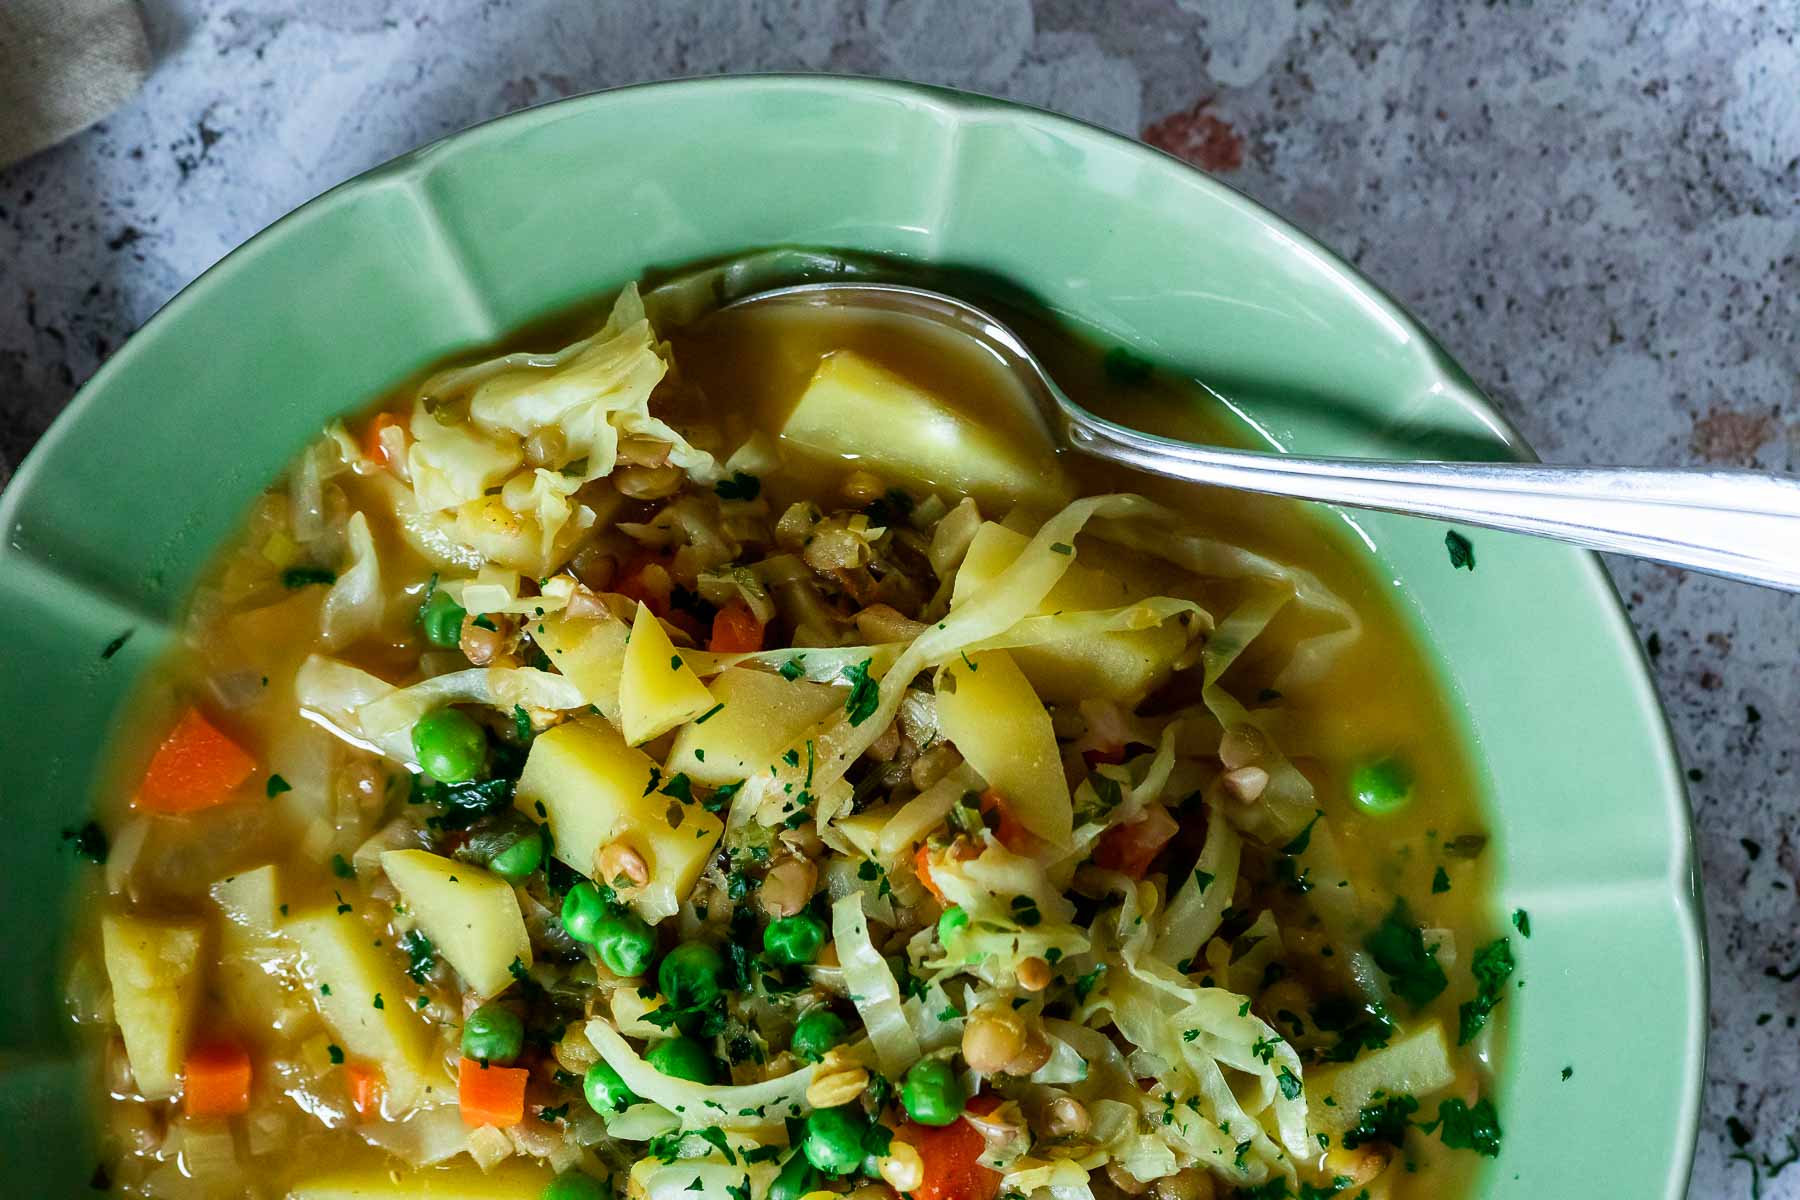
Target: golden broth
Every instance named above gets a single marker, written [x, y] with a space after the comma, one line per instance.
[743, 372]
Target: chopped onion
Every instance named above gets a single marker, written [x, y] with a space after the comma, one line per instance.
[127, 846]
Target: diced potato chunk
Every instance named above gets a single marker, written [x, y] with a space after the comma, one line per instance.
[251, 900]
[593, 789]
[1415, 1065]
[863, 830]
[855, 408]
[989, 711]
[590, 652]
[345, 973]
[459, 1181]
[253, 957]
[154, 968]
[763, 715]
[470, 914]
[657, 691]
[1124, 666]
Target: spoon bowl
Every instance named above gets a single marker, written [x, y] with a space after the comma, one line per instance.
[1742, 525]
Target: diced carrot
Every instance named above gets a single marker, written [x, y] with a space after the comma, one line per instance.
[373, 447]
[1131, 847]
[735, 630]
[491, 1095]
[195, 767]
[216, 1079]
[646, 580]
[952, 1156]
[922, 868]
[364, 1082]
[1012, 835]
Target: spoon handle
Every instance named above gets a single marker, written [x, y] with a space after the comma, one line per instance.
[1740, 524]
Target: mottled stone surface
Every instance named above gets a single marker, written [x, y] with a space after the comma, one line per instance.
[1596, 206]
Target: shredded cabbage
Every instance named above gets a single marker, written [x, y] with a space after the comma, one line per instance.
[761, 1106]
[354, 605]
[872, 988]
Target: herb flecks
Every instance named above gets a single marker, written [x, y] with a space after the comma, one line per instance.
[1398, 948]
[865, 693]
[1492, 966]
[1462, 551]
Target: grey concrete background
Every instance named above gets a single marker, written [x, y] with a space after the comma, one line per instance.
[1596, 206]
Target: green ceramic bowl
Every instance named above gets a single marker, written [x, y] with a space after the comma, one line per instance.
[116, 510]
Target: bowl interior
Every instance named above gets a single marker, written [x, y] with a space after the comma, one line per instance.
[111, 517]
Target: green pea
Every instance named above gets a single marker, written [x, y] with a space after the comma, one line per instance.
[521, 858]
[582, 912]
[682, 1058]
[1382, 787]
[931, 1092]
[689, 975]
[834, 1139]
[817, 1032]
[450, 746]
[442, 619]
[493, 1034]
[605, 1090]
[797, 1178]
[951, 921]
[794, 940]
[574, 1186]
[626, 943]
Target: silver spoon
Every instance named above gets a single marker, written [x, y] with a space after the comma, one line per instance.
[1740, 524]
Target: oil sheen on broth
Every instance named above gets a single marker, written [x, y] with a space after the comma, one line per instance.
[1370, 734]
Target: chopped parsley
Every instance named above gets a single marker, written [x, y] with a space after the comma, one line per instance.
[1085, 983]
[521, 723]
[1204, 879]
[865, 693]
[89, 841]
[702, 719]
[1303, 839]
[791, 669]
[299, 577]
[1462, 553]
[714, 1136]
[421, 955]
[1440, 882]
[117, 644]
[1385, 1123]
[340, 866]
[1492, 965]
[1522, 922]
[1398, 948]
[1061, 548]
[335, 1053]
[741, 486]
[276, 786]
[1461, 1127]
[680, 787]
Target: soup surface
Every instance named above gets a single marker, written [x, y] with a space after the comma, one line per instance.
[741, 758]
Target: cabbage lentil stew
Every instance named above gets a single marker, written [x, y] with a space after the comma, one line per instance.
[739, 758]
